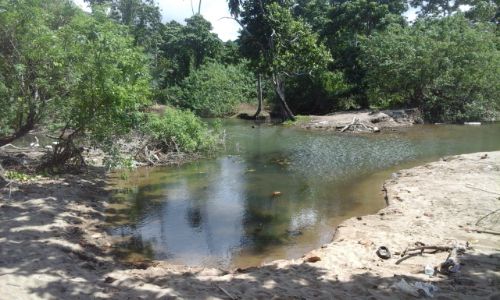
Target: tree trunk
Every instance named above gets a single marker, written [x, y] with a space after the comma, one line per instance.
[279, 86]
[259, 96]
[23, 130]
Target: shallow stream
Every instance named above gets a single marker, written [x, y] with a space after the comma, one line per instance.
[274, 192]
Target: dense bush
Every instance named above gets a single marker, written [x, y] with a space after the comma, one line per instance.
[448, 67]
[180, 131]
[214, 89]
[78, 73]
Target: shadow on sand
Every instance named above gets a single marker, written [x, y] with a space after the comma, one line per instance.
[51, 248]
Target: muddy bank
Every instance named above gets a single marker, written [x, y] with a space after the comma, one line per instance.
[53, 245]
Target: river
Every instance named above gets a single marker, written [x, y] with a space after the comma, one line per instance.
[274, 192]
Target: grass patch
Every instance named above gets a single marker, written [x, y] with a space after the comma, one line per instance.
[299, 120]
[19, 176]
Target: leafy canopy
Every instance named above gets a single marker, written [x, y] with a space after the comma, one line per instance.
[215, 89]
[448, 67]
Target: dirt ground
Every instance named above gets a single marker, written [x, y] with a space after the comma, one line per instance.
[53, 246]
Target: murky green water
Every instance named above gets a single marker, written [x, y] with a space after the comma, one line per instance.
[222, 212]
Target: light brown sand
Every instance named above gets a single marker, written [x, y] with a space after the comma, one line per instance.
[52, 248]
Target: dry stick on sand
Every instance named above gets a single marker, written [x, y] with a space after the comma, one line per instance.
[485, 231]
[486, 191]
[421, 251]
[226, 292]
[487, 215]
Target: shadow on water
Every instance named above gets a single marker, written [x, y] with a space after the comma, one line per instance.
[275, 192]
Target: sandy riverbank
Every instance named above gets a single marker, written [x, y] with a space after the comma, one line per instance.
[52, 245]
[363, 120]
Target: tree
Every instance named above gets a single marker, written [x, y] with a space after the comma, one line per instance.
[313, 12]
[32, 72]
[108, 83]
[278, 44]
[141, 16]
[438, 8]
[215, 89]
[349, 22]
[484, 11]
[448, 67]
[187, 47]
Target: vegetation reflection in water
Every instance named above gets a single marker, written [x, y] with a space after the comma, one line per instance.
[222, 212]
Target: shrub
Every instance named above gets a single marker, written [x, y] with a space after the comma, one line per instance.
[214, 89]
[179, 131]
[448, 67]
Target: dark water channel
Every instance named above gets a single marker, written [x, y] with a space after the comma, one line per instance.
[222, 212]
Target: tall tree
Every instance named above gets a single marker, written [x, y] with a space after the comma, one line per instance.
[350, 21]
[437, 8]
[187, 47]
[279, 45]
[108, 80]
[313, 12]
[32, 72]
[447, 67]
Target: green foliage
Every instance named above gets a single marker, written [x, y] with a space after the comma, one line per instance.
[313, 12]
[79, 73]
[350, 21]
[484, 11]
[19, 176]
[295, 49]
[279, 44]
[185, 48]
[214, 89]
[298, 120]
[447, 67]
[32, 70]
[179, 131]
[318, 94]
[109, 79]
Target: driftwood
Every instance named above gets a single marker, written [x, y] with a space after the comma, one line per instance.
[452, 263]
[355, 122]
[485, 231]
[422, 248]
[154, 154]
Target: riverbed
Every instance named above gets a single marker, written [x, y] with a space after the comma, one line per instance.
[273, 192]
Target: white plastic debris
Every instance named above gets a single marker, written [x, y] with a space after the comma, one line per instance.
[404, 287]
[427, 288]
[416, 289]
[429, 270]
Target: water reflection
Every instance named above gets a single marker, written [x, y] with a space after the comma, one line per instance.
[275, 193]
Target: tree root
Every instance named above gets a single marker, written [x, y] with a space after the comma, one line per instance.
[355, 122]
[152, 154]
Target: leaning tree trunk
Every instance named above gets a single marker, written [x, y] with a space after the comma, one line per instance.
[259, 95]
[3, 178]
[279, 86]
[65, 154]
[23, 129]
